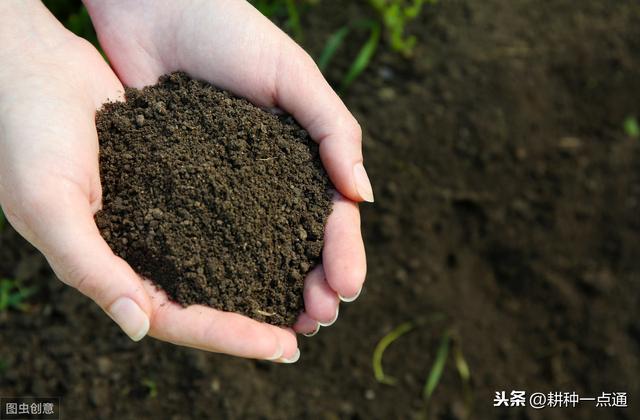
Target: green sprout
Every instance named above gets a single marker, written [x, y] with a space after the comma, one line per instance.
[13, 295]
[438, 367]
[631, 127]
[364, 56]
[380, 349]
[4, 366]
[3, 220]
[395, 15]
[152, 387]
[449, 347]
[448, 344]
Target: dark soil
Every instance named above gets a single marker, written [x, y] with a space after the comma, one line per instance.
[507, 201]
[215, 200]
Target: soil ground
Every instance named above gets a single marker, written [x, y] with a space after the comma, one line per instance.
[507, 200]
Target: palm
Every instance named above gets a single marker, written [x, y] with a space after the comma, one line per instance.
[54, 155]
[49, 176]
[243, 67]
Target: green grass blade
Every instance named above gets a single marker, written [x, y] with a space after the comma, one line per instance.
[631, 127]
[5, 287]
[13, 296]
[461, 364]
[151, 386]
[438, 366]
[2, 220]
[16, 300]
[385, 342]
[294, 20]
[364, 56]
[333, 45]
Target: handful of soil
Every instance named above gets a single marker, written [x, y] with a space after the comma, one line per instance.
[213, 199]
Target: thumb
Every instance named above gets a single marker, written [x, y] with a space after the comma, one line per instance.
[71, 242]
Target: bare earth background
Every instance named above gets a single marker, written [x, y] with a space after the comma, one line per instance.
[507, 203]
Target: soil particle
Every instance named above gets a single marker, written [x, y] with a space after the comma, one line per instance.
[215, 200]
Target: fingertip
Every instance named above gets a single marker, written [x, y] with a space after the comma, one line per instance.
[333, 319]
[349, 299]
[287, 339]
[293, 359]
[277, 355]
[320, 299]
[343, 257]
[362, 183]
[341, 159]
[130, 317]
[306, 325]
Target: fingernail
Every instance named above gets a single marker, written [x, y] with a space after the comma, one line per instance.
[363, 185]
[314, 332]
[351, 299]
[293, 359]
[327, 324]
[128, 315]
[278, 354]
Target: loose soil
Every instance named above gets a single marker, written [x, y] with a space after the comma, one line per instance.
[507, 202]
[215, 200]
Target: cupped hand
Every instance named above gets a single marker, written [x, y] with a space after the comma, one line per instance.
[230, 44]
[52, 82]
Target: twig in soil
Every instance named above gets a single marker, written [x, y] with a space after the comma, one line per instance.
[385, 342]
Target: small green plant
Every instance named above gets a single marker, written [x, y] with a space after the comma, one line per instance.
[4, 366]
[13, 295]
[438, 367]
[448, 342]
[3, 221]
[395, 15]
[362, 59]
[385, 342]
[632, 127]
[449, 345]
[151, 387]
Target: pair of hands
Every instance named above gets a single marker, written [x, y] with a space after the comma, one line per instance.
[52, 82]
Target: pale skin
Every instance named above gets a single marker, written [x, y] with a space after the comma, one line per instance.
[52, 82]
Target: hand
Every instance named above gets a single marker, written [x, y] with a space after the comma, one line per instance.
[230, 44]
[51, 82]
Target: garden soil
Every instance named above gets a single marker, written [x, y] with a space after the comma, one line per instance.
[507, 213]
[215, 200]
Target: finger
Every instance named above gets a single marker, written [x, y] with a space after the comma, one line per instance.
[306, 325]
[209, 329]
[301, 90]
[291, 353]
[343, 255]
[61, 221]
[320, 301]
